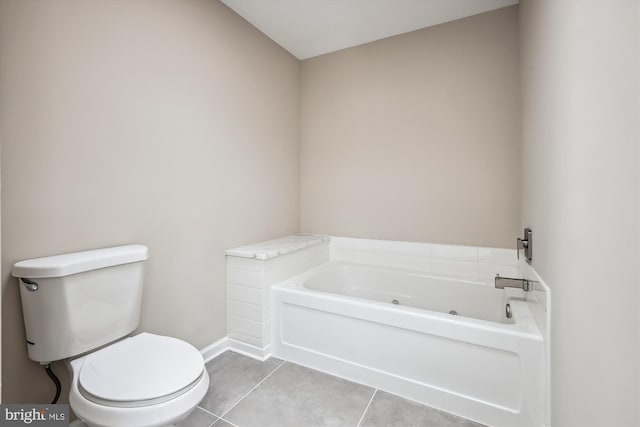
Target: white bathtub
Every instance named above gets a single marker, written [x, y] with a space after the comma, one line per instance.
[341, 318]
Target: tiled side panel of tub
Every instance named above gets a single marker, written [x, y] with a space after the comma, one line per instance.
[249, 284]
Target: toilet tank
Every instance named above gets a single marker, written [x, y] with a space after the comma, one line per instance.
[77, 302]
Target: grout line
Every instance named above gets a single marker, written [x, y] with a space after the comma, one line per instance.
[209, 412]
[254, 387]
[244, 302]
[227, 421]
[244, 286]
[367, 408]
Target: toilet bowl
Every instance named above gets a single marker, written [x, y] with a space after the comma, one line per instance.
[143, 381]
[81, 308]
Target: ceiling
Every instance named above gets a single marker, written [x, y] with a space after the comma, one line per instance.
[309, 28]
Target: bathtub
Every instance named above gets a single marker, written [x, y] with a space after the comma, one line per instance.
[442, 341]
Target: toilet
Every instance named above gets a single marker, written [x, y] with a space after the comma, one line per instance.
[81, 307]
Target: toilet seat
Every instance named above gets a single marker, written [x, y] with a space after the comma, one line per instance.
[138, 403]
[143, 370]
[104, 394]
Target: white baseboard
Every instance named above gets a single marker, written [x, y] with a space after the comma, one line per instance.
[212, 351]
[249, 350]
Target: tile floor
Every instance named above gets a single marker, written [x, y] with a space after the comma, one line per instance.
[244, 392]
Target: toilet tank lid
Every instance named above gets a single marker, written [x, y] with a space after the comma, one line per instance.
[78, 262]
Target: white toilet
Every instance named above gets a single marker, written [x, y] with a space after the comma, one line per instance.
[79, 307]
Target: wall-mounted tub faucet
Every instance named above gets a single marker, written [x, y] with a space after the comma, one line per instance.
[507, 282]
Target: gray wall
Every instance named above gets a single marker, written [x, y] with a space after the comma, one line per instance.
[168, 123]
[580, 197]
[416, 137]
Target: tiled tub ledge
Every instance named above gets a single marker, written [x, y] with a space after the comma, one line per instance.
[282, 246]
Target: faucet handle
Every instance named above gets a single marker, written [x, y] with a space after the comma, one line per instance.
[524, 244]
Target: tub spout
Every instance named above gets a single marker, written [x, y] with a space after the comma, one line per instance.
[507, 282]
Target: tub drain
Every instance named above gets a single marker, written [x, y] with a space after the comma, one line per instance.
[453, 313]
[395, 301]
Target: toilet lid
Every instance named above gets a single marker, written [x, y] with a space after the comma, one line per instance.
[144, 367]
